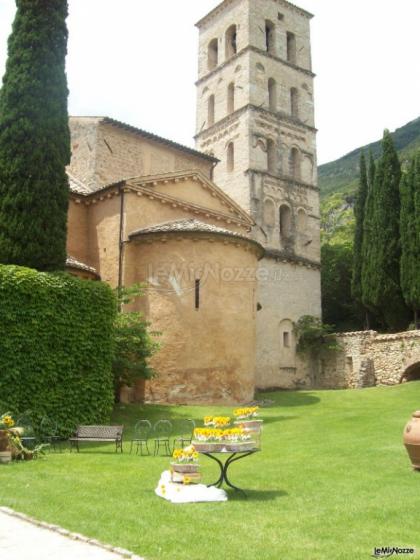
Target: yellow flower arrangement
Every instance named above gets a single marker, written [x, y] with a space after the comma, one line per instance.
[217, 421]
[6, 421]
[214, 434]
[186, 455]
[247, 412]
[187, 480]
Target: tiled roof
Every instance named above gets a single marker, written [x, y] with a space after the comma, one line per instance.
[77, 186]
[71, 262]
[189, 226]
[156, 138]
[150, 136]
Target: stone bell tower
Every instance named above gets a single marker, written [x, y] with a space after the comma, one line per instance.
[255, 113]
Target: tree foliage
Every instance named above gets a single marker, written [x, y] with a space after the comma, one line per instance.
[34, 138]
[359, 211]
[134, 342]
[410, 236]
[381, 251]
[314, 336]
[338, 306]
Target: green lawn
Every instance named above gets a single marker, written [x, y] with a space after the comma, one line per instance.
[333, 481]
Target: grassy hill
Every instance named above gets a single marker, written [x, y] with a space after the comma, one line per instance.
[341, 175]
[338, 181]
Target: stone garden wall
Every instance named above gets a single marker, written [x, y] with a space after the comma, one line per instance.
[367, 358]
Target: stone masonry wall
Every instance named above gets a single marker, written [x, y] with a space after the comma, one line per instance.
[367, 358]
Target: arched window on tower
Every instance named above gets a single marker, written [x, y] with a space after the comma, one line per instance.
[210, 110]
[270, 37]
[230, 160]
[231, 98]
[272, 94]
[271, 156]
[294, 102]
[301, 221]
[291, 47]
[230, 42]
[294, 163]
[285, 217]
[213, 54]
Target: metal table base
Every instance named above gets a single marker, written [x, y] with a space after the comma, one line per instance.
[224, 466]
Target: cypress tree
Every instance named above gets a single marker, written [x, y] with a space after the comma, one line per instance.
[372, 170]
[410, 246]
[359, 210]
[367, 241]
[381, 271]
[34, 138]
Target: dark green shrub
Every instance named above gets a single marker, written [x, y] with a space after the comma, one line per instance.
[134, 342]
[56, 346]
[314, 336]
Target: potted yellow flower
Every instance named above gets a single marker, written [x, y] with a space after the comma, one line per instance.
[247, 418]
[207, 440]
[185, 460]
[217, 421]
[238, 439]
[6, 423]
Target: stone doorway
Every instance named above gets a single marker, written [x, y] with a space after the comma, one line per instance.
[412, 373]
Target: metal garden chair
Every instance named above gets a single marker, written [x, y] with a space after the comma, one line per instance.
[185, 431]
[141, 435]
[28, 437]
[49, 432]
[162, 431]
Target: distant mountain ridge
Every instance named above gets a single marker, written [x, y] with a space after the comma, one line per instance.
[342, 174]
[338, 182]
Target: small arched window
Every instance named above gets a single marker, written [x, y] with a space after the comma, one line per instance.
[269, 37]
[294, 102]
[210, 110]
[285, 217]
[291, 47]
[230, 42]
[230, 157]
[294, 163]
[301, 221]
[213, 54]
[272, 94]
[271, 156]
[231, 98]
[269, 213]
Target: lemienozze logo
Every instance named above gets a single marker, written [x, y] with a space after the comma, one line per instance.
[388, 551]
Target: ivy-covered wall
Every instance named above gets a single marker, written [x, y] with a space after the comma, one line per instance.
[56, 346]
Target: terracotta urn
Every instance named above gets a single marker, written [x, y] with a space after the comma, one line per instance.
[5, 457]
[412, 439]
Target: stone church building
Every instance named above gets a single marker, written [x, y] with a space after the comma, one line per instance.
[224, 236]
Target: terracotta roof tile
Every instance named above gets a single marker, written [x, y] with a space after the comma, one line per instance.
[185, 225]
[71, 262]
[77, 186]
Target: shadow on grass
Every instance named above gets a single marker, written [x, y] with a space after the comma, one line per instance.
[289, 398]
[273, 419]
[257, 495]
[129, 414]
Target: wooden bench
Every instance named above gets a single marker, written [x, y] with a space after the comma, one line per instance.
[98, 434]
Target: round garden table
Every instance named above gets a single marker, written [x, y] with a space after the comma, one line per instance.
[224, 465]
